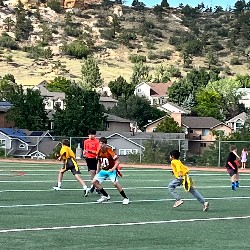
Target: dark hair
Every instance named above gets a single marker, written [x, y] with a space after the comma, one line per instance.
[175, 154]
[66, 142]
[232, 148]
[103, 140]
[91, 131]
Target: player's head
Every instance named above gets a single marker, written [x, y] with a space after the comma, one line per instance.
[91, 133]
[66, 142]
[233, 148]
[103, 142]
[175, 154]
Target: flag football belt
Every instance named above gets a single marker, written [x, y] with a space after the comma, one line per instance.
[187, 182]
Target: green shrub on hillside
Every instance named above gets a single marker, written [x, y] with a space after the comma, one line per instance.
[134, 58]
[7, 42]
[76, 49]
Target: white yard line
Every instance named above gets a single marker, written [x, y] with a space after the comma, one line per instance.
[128, 188]
[125, 224]
[111, 202]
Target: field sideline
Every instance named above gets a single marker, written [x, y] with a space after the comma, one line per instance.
[34, 216]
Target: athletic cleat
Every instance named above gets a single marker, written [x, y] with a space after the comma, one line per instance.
[56, 188]
[125, 201]
[103, 198]
[86, 192]
[178, 203]
[233, 187]
[237, 184]
[205, 206]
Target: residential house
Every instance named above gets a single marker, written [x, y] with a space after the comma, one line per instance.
[126, 143]
[108, 102]
[4, 109]
[245, 99]
[170, 107]
[156, 93]
[237, 122]
[53, 99]
[199, 132]
[151, 126]
[117, 124]
[27, 144]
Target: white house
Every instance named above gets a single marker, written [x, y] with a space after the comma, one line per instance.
[237, 122]
[170, 107]
[156, 93]
[245, 99]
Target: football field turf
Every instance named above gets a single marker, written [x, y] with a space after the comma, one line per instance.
[34, 216]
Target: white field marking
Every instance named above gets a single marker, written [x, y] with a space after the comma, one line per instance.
[132, 188]
[112, 202]
[53, 181]
[123, 224]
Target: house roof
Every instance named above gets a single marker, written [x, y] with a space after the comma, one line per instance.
[159, 89]
[5, 106]
[143, 135]
[242, 116]
[46, 93]
[15, 133]
[200, 122]
[114, 118]
[107, 99]
[172, 107]
[163, 117]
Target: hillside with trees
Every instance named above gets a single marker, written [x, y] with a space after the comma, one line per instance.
[39, 42]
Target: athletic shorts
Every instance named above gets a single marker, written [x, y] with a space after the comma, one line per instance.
[71, 165]
[104, 174]
[91, 163]
[232, 172]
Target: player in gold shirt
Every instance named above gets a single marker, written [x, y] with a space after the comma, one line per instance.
[69, 163]
[180, 173]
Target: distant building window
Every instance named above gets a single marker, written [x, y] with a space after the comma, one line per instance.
[107, 125]
[22, 146]
[205, 132]
[138, 90]
[238, 125]
[203, 145]
[127, 151]
[2, 143]
[191, 131]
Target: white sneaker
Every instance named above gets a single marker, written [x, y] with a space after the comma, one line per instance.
[103, 198]
[125, 201]
[57, 188]
[205, 206]
[86, 192]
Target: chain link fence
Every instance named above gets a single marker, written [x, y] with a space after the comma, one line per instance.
[130, 150]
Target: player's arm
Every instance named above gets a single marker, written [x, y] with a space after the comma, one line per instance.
[117, 162]
[61, 156]
[98, 166]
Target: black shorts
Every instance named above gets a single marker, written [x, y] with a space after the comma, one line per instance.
[91, 163]
[232, 172]
[71, 165]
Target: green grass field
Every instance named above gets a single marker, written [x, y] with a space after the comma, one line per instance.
[33, 216]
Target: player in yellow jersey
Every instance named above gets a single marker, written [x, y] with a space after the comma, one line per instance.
[69, 163]
[181, 177]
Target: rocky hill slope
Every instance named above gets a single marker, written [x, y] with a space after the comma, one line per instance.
[119, 36]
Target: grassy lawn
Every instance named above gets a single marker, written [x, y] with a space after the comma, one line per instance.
[33, 216]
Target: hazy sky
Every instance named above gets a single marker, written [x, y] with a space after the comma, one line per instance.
[193, 3]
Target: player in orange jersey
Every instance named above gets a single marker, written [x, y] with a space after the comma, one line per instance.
[107, 168]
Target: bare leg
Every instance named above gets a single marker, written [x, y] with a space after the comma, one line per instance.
[78, 177]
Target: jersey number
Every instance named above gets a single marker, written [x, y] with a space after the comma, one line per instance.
[104, 162]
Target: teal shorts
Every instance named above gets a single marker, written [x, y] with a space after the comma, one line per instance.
[105, 174]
